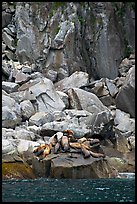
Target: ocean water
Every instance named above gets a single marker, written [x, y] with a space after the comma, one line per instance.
[69, 190]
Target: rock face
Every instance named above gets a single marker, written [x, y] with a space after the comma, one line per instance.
[72, 166]
[125, 99]
[68, 66]
[69, 37]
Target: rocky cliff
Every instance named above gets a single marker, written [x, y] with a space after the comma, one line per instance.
[69, 65]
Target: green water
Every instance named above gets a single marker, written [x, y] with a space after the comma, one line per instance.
[69, 190]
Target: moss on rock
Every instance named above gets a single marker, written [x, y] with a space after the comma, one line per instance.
[18, 170]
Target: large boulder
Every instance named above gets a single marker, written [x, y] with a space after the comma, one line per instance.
[8, 146]
[92, 103]
[27, 109]
[40, 118]
[125, 99]
[11, 113]
[9, 118]
[47, 98]
[9, 86]
[6, 18]
[72, 166]
[76, 80]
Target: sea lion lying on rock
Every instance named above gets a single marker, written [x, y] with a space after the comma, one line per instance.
[64, 141]
[42, 151]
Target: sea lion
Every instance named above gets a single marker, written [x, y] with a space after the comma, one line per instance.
[64, 143]
[75, 145]
[83, 139]
[56, 148]
[94, 142]
[53, 140]
[70, 135]
[96, 154]
[42, 151]
[86, 153]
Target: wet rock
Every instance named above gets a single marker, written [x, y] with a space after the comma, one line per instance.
[17, 170]
[125, 99]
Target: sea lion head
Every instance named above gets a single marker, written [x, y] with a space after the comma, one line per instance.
[68, 132]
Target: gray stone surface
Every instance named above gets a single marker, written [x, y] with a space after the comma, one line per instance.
[9, 86]
[47, 98]
[125, 99]
[76, 80]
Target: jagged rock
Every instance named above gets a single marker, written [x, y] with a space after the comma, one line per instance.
[100, 89]
[5, 93]
[21, 78]
[9, 118]
[34, 129]
[76, 80]
[123, 122]
[11, 113]
[27, 109]
[11, 103]
[64, 98]
[125, 65]
[26, 146]
[3, 47]
[66, 28]
[59, 115]
[6, 19]
[10, 86]
[92, 104]
[8, 133]
[107, 100]
[23, 95]
[8, 40]
[125, 99]
[72, 165]
[40, 118]
[47, 98]
[8, 146]
[21, 133]
[36, 75]
[50, 74]
[72, 124]
[113, 90]
[28, 47]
